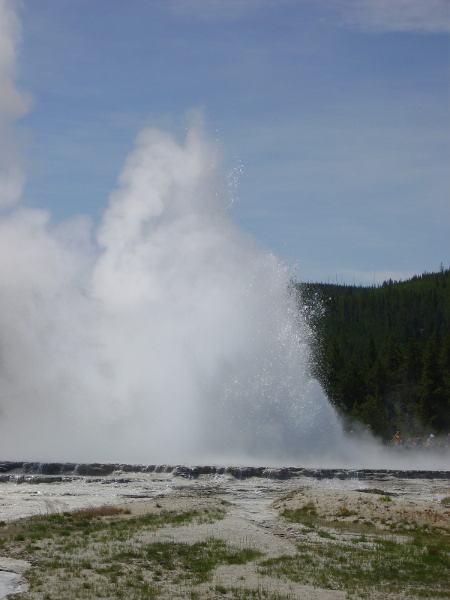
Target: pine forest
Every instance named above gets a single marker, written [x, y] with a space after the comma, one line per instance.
[382, 354]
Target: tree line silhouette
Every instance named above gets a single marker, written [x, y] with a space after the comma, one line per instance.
[382, 353]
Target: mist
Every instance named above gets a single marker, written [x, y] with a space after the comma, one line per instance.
[164, 335]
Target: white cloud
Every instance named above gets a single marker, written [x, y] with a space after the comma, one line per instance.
[421, 16]
[13, 105]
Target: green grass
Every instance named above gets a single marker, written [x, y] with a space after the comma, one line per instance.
[247, 594]
[418, 565]
[409, 559]
[67, 549]
[342, 522]
[195, 561]
[106, 553]
[306, 515]
[93, 521]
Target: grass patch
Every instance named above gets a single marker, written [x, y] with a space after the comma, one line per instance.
[368, 558]
[372, 566]
[110, 520]
[310, 519]
[346, 512]
[102, 552]
[99, 511]
[108, 553]
[349, 521]
[195, 561]
[306, 515]
[247, 594]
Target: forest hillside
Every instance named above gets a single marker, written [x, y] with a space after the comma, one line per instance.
[382, 353]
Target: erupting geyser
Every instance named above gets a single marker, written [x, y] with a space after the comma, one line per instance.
[161, 335]
[171, 337]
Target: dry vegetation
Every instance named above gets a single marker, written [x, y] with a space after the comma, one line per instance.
[319, 544]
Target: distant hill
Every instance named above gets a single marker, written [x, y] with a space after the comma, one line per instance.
[383, 352]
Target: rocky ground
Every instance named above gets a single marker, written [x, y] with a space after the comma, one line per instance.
[281, 513]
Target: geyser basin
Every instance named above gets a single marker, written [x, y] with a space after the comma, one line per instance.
[171, 337]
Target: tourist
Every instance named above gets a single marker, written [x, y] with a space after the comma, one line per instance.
[397, 440]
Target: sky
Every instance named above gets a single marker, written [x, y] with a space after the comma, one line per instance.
[332, 117]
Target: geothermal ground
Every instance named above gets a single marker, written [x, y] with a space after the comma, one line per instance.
[267, 533]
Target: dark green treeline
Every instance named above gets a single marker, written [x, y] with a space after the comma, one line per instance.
[382, 353]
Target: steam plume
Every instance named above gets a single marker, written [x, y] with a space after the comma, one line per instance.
[172, 337]
[165, 336]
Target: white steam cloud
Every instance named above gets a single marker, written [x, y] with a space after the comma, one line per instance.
[172, 338]
[168, 337]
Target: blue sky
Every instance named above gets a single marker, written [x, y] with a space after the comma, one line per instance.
[334, 113]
